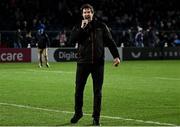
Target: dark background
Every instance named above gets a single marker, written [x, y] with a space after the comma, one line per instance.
[118, 14]
[159, 19]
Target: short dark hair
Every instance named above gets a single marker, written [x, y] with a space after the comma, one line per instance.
[87, 6]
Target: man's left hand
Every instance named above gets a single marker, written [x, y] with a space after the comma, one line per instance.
[116, 62]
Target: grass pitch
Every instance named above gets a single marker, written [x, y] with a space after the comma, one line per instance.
[140, 93]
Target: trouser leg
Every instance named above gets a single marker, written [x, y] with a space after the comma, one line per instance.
[97, 75]
[82, 73]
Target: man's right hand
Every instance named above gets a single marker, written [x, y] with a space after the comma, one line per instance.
[84, 23]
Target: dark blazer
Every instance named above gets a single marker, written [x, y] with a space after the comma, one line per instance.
[91, 42]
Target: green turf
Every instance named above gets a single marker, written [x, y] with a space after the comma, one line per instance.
[133, 94]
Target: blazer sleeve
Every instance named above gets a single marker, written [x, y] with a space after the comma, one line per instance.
[78, 35]
[110, 43]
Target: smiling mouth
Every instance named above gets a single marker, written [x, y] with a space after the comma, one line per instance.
[87, 17]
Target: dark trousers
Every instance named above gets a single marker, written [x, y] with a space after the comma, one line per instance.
[82, 73]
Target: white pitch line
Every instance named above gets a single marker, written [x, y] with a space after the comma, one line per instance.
[42, 71]
[39, 71]
[166, 78]
[102, 116]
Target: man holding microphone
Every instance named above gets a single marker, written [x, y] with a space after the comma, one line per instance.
[92, 36]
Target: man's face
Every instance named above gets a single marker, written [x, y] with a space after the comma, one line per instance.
[87, 14]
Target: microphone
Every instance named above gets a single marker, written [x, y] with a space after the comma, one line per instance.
[84, 23]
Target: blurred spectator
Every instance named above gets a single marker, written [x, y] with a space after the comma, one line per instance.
[18, 39]
[139, 38]
[150, 38]
[29, 40]
[177, 42]
[62, 38]
[128, 38]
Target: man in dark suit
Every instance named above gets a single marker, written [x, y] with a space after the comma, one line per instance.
[92, 36]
